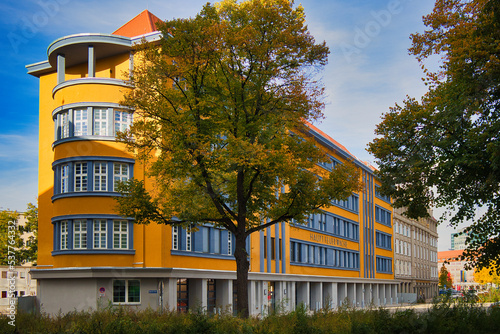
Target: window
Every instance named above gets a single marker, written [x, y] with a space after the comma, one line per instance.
[188, 240]
[384, 265]
[79, 234]
[100, 122]
[64, 178]
[4, 294]
[322, 221]
[123, 120]
[64, 235]
[100, 173]
[229, 243]
[352, 203]
[344, 228]
[120, 234]
[304, 254]
[80, 122]
[64, 124]
[127, 291]
[182, 295]
[216, 241]
[87, 235]
[81, 176]
[205, 239]
[120, 173]
[100, 235]
[383, 240]
[382, 197]
[92, 175]
[91, 121]
[4, 274]
[382, 216]
[175, 237]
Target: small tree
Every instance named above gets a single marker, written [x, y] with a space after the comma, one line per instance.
[30, 249]
[13, 249]
[10, 239]
[445, 279]
[221, 105]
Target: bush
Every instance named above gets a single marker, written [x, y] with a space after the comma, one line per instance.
[448, 316]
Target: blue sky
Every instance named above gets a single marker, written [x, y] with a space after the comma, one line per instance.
[369, 68]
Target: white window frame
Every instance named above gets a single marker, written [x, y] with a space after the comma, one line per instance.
[100, 121]
[175, 237]
[188, 240]
[121, 172]
[100, 234]
[64, 178]
[127, 296]
[80, 234]
[81, 176]
[64, 119]
[120, 234]
[100, 176]
[80, 121]
[64, 242]
[122, 120]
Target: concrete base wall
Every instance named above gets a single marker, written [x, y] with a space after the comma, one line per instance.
[266, 292]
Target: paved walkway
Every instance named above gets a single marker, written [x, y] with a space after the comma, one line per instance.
[420, 307]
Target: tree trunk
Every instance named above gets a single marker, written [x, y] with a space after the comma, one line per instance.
[242, 266]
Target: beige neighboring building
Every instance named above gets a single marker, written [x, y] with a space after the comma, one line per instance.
[415, 256]
[24, 285]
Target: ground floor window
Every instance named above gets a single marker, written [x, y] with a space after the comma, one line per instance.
[126, 291]
[182, 295]
[211, 296]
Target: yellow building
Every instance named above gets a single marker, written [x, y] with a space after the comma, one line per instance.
[89, 256]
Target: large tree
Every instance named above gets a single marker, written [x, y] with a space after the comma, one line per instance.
[221, 105]
[444, 150]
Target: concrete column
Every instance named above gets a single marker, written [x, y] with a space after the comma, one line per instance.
[224, 295]
[252, 298]
[351, 293]
[383, 297]
[263, 292]
[291, 294]
[303, 293]
[375, 295]
[281, 297]
[360, 297]
[91, 62]
[61, 68]
[366, 294]
[197, 294]
[342, 293]
[316, 296]
[330, 295]
[170, 294]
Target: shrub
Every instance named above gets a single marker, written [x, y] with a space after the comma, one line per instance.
[447, 316]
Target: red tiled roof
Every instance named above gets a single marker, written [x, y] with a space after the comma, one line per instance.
[448, 255]
[142, 24]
